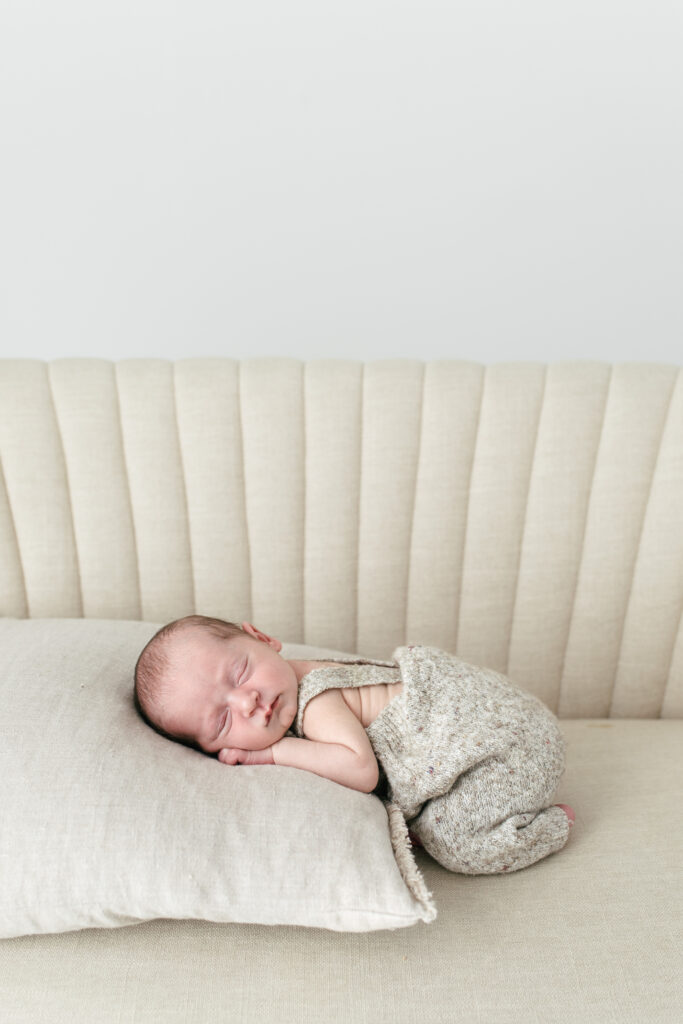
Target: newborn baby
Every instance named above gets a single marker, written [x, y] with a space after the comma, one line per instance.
[471, 761]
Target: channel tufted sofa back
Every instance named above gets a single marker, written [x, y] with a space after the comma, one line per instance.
[528, 517]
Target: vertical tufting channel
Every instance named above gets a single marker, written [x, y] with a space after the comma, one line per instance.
[157, 487]
[13, 600]
[272, 404]
[210, 436]
[333, 392]
[542, 408]
[391, 416]
[655, 596]
[450, 416]
[510, 408]
[37, 493]
[672, 704]
[86, 407]
[565, 452]
[635, 414]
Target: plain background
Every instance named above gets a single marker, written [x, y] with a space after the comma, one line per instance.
[364, 179]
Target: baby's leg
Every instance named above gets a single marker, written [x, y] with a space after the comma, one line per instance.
[515, 843]
[569, 811]
[496, 818]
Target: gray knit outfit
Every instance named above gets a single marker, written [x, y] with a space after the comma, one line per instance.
[471, 760]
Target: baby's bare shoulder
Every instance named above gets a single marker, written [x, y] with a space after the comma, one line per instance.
[328, 718]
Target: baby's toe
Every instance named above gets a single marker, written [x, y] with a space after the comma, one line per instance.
[569, 811]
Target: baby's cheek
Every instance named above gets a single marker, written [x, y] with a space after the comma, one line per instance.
[274, 732]
[277, 733]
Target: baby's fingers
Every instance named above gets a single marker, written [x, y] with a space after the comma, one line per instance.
[230, 755]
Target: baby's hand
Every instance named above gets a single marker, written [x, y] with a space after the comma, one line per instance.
[233, 755]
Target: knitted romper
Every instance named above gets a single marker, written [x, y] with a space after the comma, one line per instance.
[471, 761]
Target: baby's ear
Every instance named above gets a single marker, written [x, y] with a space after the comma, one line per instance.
[260, 635]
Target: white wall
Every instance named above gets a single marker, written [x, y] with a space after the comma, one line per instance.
[366, 178]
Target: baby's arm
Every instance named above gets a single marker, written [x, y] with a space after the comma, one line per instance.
[336, 745]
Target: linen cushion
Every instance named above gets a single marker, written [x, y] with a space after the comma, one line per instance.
[106, 823]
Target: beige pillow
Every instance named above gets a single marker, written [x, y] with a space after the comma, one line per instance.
[105, 823]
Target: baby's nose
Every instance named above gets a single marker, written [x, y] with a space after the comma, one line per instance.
[247, 700]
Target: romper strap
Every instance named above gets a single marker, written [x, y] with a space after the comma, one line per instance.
[342, 676]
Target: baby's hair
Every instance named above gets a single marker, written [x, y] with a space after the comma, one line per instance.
[154, 661]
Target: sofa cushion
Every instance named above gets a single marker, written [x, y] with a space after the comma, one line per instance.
[106, 823]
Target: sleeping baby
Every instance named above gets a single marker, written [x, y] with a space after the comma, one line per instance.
[471, 761]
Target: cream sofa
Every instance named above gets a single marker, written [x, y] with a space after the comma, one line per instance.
[527, 517]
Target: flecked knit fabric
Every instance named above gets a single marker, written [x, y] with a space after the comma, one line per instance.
[471, 760]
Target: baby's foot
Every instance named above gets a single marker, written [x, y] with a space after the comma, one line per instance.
[569, 812]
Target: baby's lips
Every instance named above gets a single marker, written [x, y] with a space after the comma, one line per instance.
[270, 708]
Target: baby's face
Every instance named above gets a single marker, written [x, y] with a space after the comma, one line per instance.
[228, 693]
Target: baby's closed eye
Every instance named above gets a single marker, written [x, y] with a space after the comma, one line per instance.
[225, 720]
